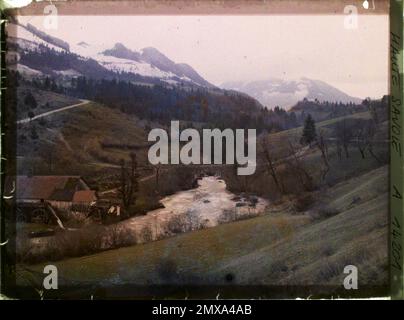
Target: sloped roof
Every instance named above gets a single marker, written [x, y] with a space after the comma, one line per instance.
[60, 188]
[62, 195]
[84, 196]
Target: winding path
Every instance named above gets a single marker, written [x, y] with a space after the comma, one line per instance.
[45, 114]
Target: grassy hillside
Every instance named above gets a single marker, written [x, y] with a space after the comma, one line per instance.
[278, 139]
[72, 141]
[344, 222]
[355, 234]
[45, 101]
[285, 159]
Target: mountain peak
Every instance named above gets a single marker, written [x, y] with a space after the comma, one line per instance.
[48, 38]
[83, 44]
[158, 59]
[155, 57]
[119, 46]
[286, 93]
[151, 50]
[149, 62]
[120, 51]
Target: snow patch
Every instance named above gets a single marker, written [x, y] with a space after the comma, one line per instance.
[30, 41]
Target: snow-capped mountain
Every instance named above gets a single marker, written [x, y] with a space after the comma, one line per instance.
[286, 93]
[158, 61]
[147, 66]
[29, 38]
[119, 63]
[148, 62]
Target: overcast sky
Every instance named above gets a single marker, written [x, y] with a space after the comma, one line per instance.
[247, 48]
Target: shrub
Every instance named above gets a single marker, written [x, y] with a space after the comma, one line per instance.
[22, 138]
[34, 134]
[327, 212]
[42, 122]
[278, 267]
[327, 250]
[303, 202]
[180, 224]
[176, 224]
[226, 216]
[146, 234]
[78, 243]
[328, 271]
[23, 248]
[120, 236]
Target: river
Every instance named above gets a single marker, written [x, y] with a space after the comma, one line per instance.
[206, 206]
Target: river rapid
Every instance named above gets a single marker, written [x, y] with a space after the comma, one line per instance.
[206, 206]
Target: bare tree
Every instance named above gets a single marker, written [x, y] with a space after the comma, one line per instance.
[361, 141]
[370, 105]
[157, 177]
[370, 148]
[128, 183]
[298, 167]
[339, 149]
[270, 166]
[322, 146]
[363, 137]
[237, 182]
[48, 152]
[344, 134]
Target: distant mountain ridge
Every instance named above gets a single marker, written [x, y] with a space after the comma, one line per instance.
[157, 59]
[44, 36]
[149, 66]
[286, 93]
[148, 63]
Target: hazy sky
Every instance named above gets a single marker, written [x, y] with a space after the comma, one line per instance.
[233, 48]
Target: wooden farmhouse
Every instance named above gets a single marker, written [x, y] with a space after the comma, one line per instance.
[62, 192]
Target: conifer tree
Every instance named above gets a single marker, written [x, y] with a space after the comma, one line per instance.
[309, 131]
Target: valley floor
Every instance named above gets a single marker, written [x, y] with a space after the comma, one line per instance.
[277, 249]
